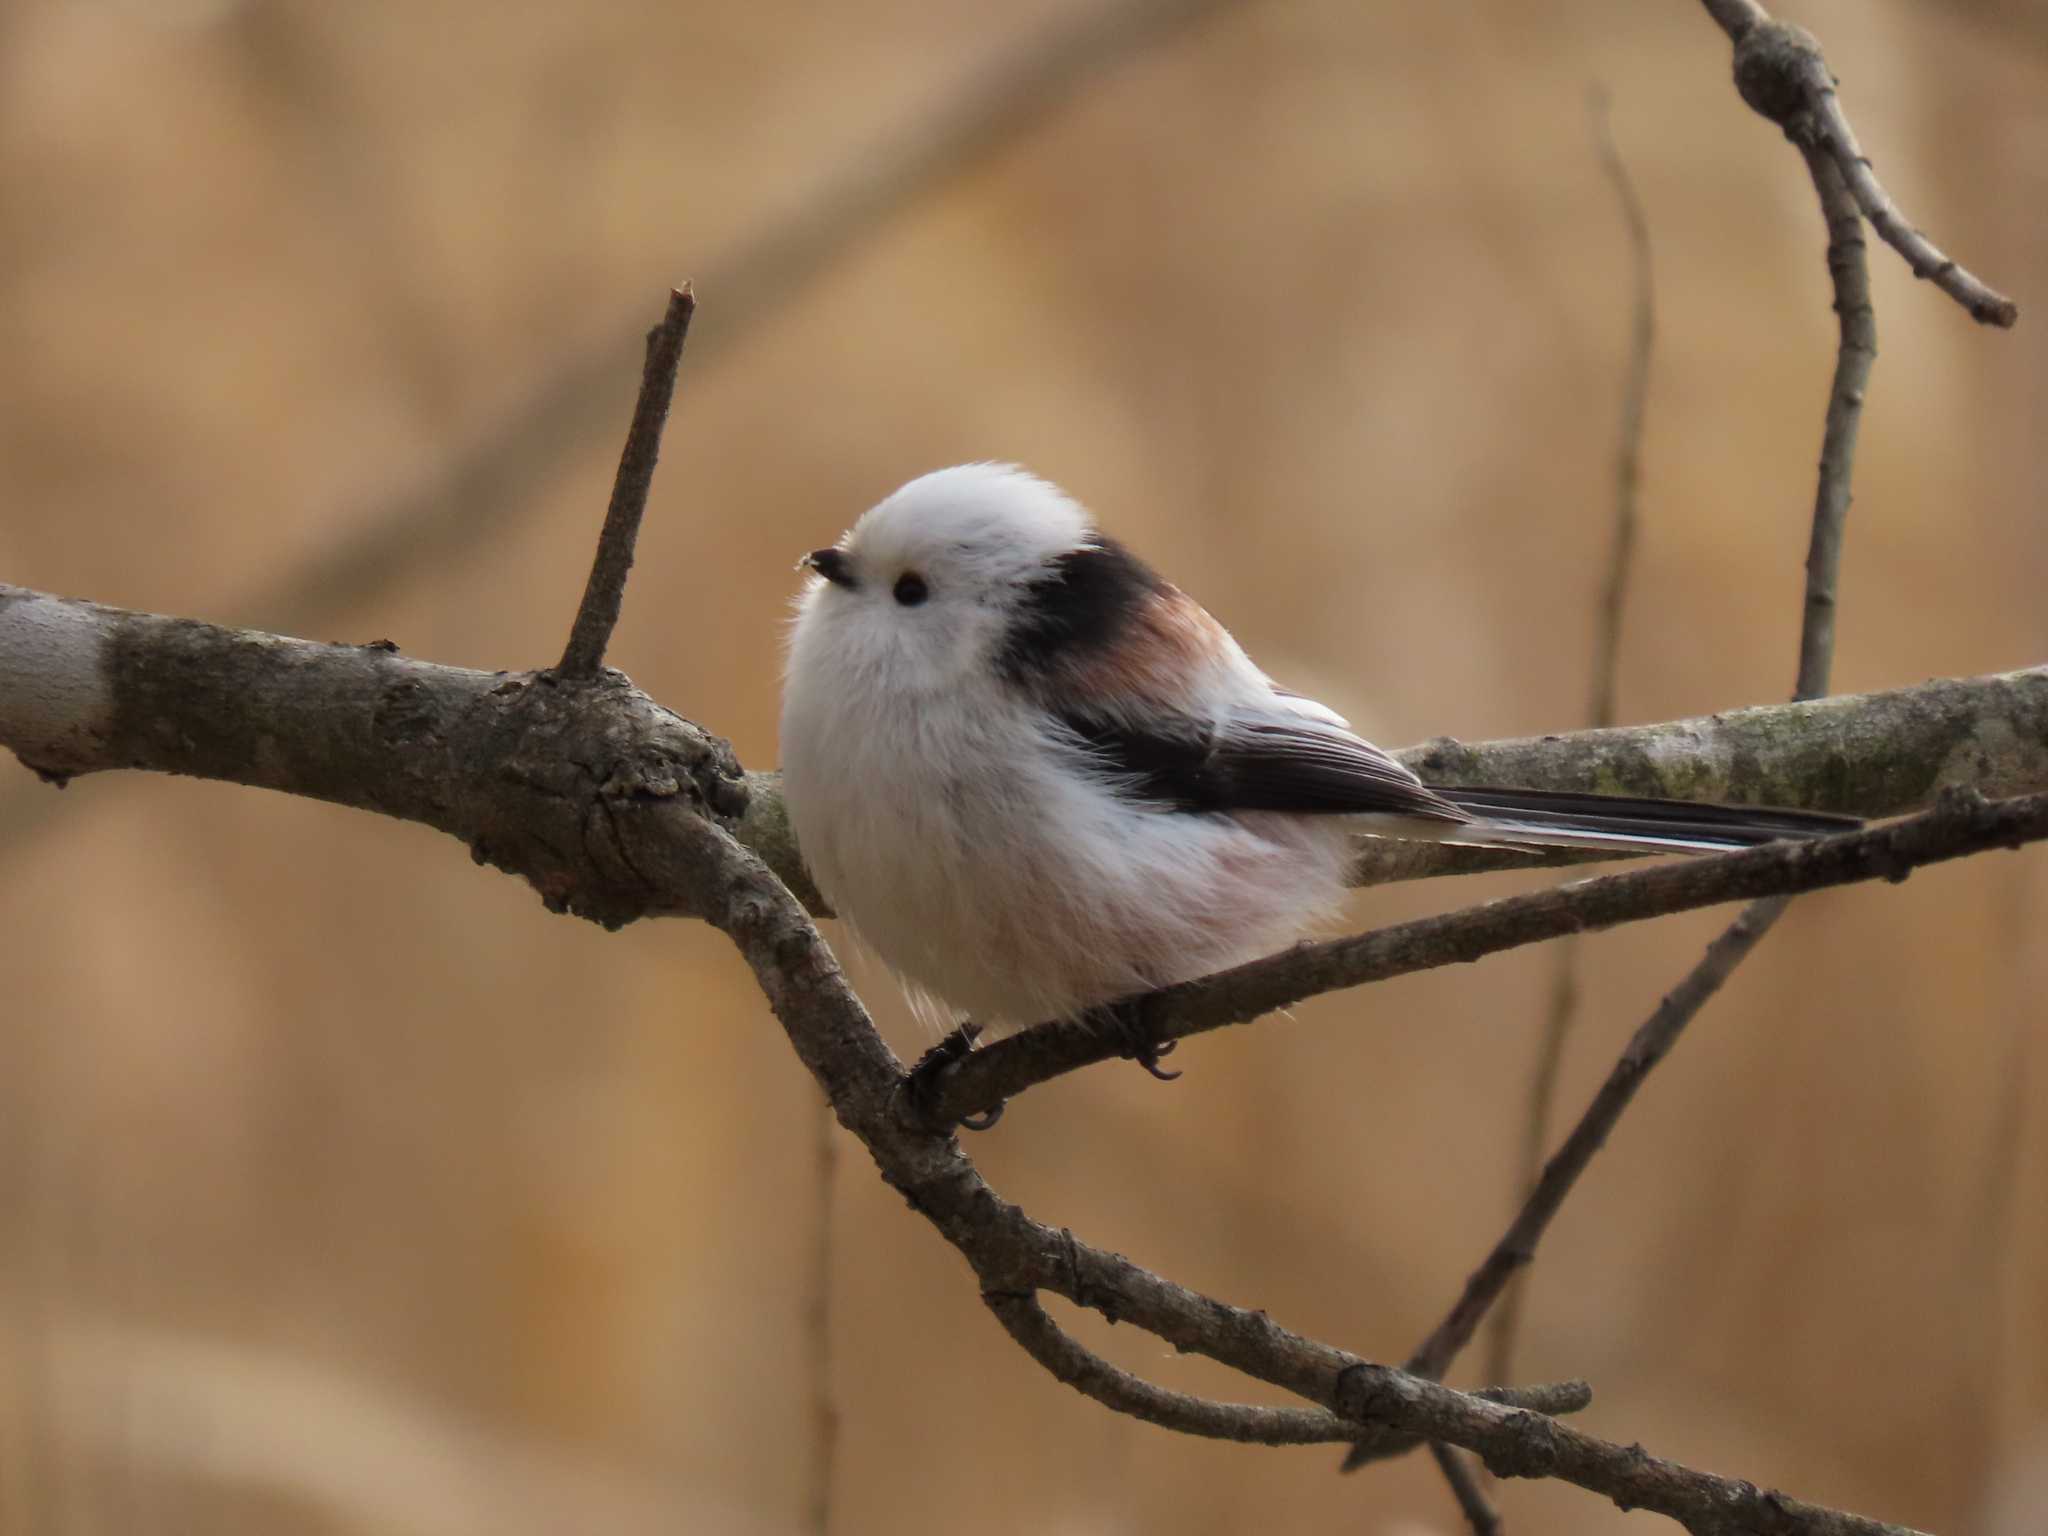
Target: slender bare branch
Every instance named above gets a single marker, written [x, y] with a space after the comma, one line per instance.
[1560, 1013]
[598, 614]
[1736, 17]
[1856, 351]
[1074, 1364]
[1563, 1001]
[1927, 261]
[1473, 1503]
[1963, 824]
[1070, 1362]
[1650, 1044]
[1013, 1255]
[1556, 1399]
[1782, 74]
[1635, 398]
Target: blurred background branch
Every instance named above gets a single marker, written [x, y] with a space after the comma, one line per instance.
[1563, 1001]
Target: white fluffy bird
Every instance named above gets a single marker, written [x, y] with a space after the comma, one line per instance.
[1036, 777]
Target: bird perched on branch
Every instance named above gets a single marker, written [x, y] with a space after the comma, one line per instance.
[1037, 777]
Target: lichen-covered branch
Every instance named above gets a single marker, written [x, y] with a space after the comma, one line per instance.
[1871, 754]
[86, 688]
[532, 775]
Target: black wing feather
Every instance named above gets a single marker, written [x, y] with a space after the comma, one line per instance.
[1734, 826]
[1081, 606]
[1258, 766]
[1276, 765]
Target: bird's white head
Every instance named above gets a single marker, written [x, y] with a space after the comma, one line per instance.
[926, 587]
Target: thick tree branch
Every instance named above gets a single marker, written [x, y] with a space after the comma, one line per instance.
[532, 776]
[86, 688]
[1872, 754]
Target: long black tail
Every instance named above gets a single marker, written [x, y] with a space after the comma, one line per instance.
[1561, 818]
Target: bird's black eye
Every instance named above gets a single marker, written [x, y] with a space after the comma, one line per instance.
[911, 590]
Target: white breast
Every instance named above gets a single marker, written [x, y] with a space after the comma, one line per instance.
[974, 854]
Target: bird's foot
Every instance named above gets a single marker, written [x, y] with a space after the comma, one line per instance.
[921, 1083]
[1125, 1020]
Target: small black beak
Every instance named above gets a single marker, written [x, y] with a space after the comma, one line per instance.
[831, 564]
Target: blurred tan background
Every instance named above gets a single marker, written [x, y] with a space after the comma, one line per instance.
[343, 1190]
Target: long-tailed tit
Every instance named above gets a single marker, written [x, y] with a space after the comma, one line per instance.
[1035, 776]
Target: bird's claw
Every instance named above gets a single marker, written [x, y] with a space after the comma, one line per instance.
[1125, 1022]
[921, 1084]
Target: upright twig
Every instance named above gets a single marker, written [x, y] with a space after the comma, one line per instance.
[598, 613]
[1856, 351]
[1563, 1003]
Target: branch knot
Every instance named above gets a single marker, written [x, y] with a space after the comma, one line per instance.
[1779, 71]
[1533, 1451]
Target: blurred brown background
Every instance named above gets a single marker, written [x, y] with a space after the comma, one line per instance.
[342, 1189]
